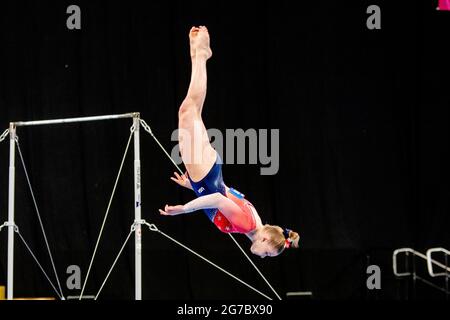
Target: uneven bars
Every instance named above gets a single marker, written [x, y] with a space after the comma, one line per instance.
[75, 120]
[12, 132]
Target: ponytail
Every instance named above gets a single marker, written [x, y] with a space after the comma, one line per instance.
[282, 239]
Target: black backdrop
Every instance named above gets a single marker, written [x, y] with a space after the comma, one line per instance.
[364, 137]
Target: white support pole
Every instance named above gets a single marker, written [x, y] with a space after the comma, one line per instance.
[137, 209]
[11, 223]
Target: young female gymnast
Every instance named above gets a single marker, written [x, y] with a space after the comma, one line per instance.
[225, 207]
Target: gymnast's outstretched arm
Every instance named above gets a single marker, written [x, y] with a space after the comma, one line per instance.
[212, 201]
[226, 206]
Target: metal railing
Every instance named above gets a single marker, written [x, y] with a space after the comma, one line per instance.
[430, 264]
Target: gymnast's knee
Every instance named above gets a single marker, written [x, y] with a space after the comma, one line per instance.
[188, 111]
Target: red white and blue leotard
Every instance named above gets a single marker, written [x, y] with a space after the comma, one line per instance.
[213, 183]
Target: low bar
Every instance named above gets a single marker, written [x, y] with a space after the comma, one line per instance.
[75, 120]
[299, 294]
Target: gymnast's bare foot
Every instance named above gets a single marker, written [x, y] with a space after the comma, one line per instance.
[193, 33]
[199, 41]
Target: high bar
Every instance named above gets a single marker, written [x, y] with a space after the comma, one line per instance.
[75, 120]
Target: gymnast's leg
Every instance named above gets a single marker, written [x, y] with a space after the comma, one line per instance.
[196, 151]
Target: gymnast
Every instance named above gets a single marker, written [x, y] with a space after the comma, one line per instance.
[226, 207]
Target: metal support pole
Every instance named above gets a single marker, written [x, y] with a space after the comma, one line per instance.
[446, 277]
[11, 223]
[414, 275]
[407, 280]
[137, 209]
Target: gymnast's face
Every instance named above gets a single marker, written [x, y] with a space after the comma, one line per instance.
[263, 248]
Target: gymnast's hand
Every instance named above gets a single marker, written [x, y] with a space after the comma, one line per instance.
[172, 210]
[182, 180]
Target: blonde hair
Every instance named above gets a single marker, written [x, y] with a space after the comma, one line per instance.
[277, 239]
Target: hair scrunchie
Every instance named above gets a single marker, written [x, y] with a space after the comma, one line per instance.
[288, 241]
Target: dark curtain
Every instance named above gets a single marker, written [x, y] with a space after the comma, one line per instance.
[364, 139]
